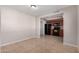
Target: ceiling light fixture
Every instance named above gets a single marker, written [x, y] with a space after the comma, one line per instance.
[34, 6]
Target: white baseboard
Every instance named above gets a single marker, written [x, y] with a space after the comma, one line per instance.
[70, 44]
[12, 42]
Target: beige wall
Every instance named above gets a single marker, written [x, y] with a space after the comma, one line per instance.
[37, 24]
[70, 25]
[16, 25]
[78, 28]
[42, 27]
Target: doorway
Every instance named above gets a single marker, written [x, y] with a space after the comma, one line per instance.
[54, 27]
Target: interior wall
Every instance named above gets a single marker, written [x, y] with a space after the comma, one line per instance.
[0, 24]
[78, 28]
[16, 25]
[70, 25]
[42, 27]
[37, 24]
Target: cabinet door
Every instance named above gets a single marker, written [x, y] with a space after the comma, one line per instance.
[48, 29]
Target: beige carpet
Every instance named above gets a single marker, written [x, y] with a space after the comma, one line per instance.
[46, 44]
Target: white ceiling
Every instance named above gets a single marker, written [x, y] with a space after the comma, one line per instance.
[42, 9]
[56, 16]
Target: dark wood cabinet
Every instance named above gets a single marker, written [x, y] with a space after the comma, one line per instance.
[61, 33]
[48, 29]
[57, 31]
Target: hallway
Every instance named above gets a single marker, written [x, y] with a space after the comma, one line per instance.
[46, 44]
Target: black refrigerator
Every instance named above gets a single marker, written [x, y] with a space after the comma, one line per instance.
[47, 29]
